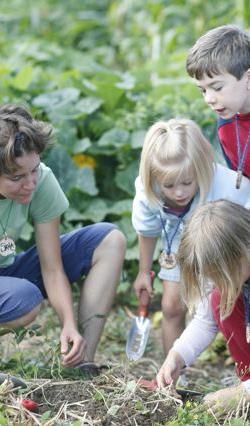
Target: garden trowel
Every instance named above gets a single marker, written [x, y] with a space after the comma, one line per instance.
[141, 324]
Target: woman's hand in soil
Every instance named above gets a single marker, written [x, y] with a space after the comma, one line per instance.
[143, 282]
[73, 347]
[227, 399]
[170, 370]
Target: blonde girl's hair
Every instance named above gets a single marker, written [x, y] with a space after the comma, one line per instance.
[170, 149]
[213, 245]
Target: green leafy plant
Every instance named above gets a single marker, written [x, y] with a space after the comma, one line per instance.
[192, 414]
[102, 72]
[92, 87]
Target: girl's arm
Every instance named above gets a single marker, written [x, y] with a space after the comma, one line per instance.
[197, 336]
[145, 217]
[170, 369]
[148, 228]
[143, 279]
[58, 290]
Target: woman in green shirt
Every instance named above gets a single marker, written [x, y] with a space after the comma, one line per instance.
[29, 189]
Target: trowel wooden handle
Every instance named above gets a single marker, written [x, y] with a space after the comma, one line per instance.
[145, 299]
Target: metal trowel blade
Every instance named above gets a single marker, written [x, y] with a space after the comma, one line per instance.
[137, 338]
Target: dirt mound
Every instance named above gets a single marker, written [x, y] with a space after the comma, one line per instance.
[106, 400]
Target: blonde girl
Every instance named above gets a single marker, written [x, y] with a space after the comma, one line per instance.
[215, 246]
[177, 173]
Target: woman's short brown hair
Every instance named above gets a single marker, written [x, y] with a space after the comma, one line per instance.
[20, 134]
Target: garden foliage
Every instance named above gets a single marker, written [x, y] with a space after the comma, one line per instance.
[102, 72]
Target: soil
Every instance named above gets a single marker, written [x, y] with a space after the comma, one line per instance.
[115, 397]
[108, 400]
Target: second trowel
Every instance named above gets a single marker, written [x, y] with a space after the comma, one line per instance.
[139, 331]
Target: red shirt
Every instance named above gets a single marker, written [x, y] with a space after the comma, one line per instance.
[234, 330]
[228, 140]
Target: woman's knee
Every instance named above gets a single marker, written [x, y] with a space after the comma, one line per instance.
[31, 316]
[114, 242]
[24, 320]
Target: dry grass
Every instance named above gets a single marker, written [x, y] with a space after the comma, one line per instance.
[107, 400]
[113, 399]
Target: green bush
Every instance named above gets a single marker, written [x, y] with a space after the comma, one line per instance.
[102, 73]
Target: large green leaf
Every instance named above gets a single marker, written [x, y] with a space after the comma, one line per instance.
[125, 179]
[126, 227]
[127, 83]
[120, 208]
[68, 174]
[108, 90]
[89, 105]
[23, 78]
[102, 72]
[64, 104]
[66, 135]
[57, 99]
[85, 181]
[81, 145]
[73, 215]
[137, 138]
[96, 211]
[132, 253]
[114, 138]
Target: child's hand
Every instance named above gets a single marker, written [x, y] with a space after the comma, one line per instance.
[227, 399]
[152, 386]
[170, 370]
[143, 282]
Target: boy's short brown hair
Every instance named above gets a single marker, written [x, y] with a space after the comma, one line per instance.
[222, 49]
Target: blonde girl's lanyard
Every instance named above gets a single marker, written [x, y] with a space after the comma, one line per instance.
[167, 259]
[241, 154]
[7, 244]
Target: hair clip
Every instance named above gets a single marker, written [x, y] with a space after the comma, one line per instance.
[19, 137]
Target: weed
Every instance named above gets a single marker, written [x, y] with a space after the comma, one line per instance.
[192, 414]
